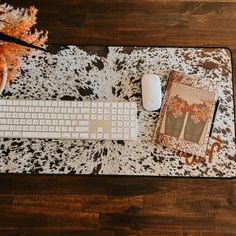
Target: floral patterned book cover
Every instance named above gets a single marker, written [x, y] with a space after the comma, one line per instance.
[187, 114]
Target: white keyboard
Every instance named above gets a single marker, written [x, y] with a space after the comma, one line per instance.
[68, 119]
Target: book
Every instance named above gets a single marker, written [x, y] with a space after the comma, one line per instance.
[186, 115]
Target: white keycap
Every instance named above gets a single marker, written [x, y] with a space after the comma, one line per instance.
[45, 128]
[51, 129]
[127, 105]
[75, 135]
[133, 133]
[40, 135]
[3, 121]
[114, 105]
[25, 128]
[4, 127]
[12, 127]
[99, 129]
[58, 129]
[100, 111]
[81, 129]
[80, 116]
[120, 130]
[120, 105]
[3, 102]
[100, 104]
[8, 134]
[120, 123]
[106, 111]
[32, 128]
[113, 130]
[83, 122]
[83, 135]
[16, 134]
[29, 122]
[73, 122]
[106, 105]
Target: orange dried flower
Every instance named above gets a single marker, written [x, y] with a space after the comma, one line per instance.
[199, 112]
[177, 105]
[18, 23]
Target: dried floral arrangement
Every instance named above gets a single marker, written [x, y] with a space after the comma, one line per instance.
[199, 112]
[19, 23]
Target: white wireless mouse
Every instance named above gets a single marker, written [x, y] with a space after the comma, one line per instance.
[151, 92]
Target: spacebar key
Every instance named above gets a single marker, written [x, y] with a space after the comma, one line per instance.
[40, 135]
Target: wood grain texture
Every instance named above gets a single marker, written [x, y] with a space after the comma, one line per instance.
[125, 206]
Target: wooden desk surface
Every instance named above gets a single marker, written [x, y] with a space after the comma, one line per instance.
[112, 206]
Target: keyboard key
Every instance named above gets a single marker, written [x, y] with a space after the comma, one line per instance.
[100, 104]
[75, 135]
[41, 135]
[16, 134]
[59, 116]
[45, 128]
[3, 102]
[127, 105]
[25, 128]
[32, 128]
[83, 135]
[83, 122]
[133, 133]
[106, 111]
[120, 105]
[114, 105]
[73, 116]
[3, 121]
[100, 111]
[107, 105]
[99, 129]
[79, 116]
[58, 129]
[39, 128]
[81, 129]
[84, 110]
[4, 127]
[22, 122]
[71, 129]
[12, 127]
[126, 130]
[29, 122]
[51, 128]
[22, 103]
[68, 122]
[8, 134]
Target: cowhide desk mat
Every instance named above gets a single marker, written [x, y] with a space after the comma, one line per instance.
[114, 74]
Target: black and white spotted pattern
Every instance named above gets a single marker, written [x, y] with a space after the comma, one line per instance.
[114, 74]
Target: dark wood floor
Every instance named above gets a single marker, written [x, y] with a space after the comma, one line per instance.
[112, 206]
